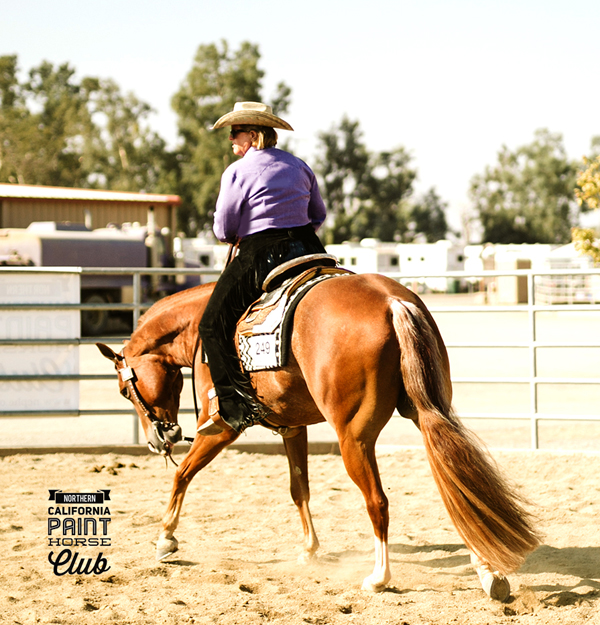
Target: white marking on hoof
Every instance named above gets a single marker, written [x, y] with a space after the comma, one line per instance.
[371, 584]
[166, 547]
[306, 557]
[496, 586]
[381, 575]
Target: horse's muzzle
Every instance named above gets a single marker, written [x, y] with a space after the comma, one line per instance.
[163, 437]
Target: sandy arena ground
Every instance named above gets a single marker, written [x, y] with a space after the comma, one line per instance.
[240, 536]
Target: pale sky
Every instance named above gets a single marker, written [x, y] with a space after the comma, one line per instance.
[450, 81]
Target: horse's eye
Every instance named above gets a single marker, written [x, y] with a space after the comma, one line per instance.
[125, 393]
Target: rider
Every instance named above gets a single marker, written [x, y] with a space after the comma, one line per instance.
[269, 205]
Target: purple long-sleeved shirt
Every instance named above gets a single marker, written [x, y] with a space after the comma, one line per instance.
[266, 189]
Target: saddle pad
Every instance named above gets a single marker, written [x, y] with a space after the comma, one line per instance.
[263, 332]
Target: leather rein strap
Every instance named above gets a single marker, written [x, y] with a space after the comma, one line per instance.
[194, 377]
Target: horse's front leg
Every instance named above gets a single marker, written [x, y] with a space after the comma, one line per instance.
[296, 448]
[204, 449]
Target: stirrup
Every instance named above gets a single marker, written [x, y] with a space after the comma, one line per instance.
[215, 424]
[210, 428]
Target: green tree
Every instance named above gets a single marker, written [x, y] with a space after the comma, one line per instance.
[126, 154]
[43, 123]
[588, 197]
[527, 197]
[588, 179]
[57, 131]
[370, 194]
[428, 218]
[9, 85]
[64, 125]
[219, 78]
[343, 166]
[15, 122]
[385, 207]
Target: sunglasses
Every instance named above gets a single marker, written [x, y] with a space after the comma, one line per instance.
[234, 133]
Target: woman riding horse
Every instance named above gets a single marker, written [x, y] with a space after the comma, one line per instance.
[269, 206]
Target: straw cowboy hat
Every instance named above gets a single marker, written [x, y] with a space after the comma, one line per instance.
[254, 113]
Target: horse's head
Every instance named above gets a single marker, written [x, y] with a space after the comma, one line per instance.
[153, 386]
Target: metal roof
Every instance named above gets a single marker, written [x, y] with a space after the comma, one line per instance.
[24, 191]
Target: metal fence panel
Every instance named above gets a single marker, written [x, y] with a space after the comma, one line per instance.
[524, 331]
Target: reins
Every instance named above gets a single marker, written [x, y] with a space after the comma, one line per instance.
[194, 377]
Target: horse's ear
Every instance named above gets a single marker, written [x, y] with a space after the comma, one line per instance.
[107, 352]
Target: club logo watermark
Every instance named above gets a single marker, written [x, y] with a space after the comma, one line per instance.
[79, 523]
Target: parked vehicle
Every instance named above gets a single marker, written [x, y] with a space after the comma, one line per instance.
[56, 244]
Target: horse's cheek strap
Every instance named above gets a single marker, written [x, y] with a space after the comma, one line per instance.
[126, 374]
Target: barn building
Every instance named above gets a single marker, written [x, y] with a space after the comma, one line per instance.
[22, 204]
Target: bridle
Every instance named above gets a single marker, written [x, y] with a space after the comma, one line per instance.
[131, 392]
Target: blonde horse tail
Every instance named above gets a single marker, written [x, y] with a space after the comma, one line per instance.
[490, 518]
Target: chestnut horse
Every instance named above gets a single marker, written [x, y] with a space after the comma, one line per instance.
[362, 346]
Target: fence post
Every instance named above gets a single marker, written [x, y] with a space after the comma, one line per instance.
[137, 297]
[533, 404]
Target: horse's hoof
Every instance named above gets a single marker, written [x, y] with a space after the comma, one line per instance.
[373, 586]
[306, 557]
[496, 586]
[166, 547]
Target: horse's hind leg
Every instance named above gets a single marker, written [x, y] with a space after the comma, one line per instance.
[296, 447]
[204, 450]
[361, 464]
[493, 583]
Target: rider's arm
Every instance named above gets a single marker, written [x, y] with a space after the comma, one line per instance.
[316, 206]
[229, 208]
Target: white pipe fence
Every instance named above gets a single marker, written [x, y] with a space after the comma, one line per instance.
[533, 380]
[531, 343]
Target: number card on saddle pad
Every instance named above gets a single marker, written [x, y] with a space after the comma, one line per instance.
[263, 333]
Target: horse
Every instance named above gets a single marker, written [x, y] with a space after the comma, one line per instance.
[362, 345]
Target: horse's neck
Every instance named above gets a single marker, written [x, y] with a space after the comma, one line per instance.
[170, 327]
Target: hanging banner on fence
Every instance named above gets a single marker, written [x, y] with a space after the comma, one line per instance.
[39, 360]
